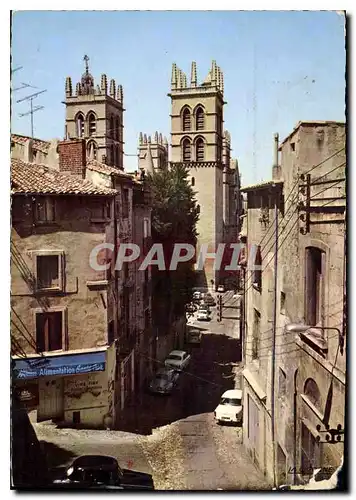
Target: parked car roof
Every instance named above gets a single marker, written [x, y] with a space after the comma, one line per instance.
[233, 393]
[177, 352]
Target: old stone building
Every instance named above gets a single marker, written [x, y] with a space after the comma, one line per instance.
[199, 141]
[295, 373]
[103, 313]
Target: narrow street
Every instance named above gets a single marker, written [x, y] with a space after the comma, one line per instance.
[175, 438]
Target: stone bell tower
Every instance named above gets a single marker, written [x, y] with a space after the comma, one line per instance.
[197, 141]
[96, 114]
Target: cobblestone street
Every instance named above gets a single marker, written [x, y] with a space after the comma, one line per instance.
[175, 438]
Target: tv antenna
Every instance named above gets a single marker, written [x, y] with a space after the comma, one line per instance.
[25, 86]
[16, 69]
[32, 109]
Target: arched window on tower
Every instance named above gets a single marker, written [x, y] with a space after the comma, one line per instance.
[112, 127]
[186, 146]
[199, 150]
[80, 125]
[92, 150]
[117, 129]
[186, 119]
[91, 123]
[199, 119]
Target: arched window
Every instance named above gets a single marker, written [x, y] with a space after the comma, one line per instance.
[186, 119]
[199, 150]
[91, 123]
[311, 390]
[92, 150]
[80, 125]
[186, 145]
[117, 129]
[112, 127]
[199, 119]
[193, 181]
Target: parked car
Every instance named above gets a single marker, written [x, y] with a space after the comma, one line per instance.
[194, 336]
[204, 308]
[164, 381]
[230, 407]
[178, 360]
[102, 472]
[191, 308]
[209, 300]
[196, 295]
[221, 289]
[203, 315]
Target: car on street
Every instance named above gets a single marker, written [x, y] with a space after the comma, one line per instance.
[178, 360]
[230, 407]
[164, 381]
[221, 289]
[203, 315]
[209, 300]
[194, 336]
[197, 295]
[191, 308]
[102, 472]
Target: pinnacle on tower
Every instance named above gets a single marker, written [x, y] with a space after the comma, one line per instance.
[160, 139]
[156, 137]
[174, 76]
[145, 139]
[68, 86]
[213, 73]
[120, 94]
[112, 88]
[78, 89]
[140, 139]
[104, 84]
[149, 139]
[98, 91]
[184, 80]
[193, 77]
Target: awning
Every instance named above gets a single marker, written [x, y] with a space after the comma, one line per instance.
[254, 384]
[66, 364]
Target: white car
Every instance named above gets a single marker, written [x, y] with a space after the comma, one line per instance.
[178, 360]
[221, 289]
[203, 315]
[230, 407]
[197, 295]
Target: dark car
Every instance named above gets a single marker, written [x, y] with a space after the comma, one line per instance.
[102, 472]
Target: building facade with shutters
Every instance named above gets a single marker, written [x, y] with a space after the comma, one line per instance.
[305, 366]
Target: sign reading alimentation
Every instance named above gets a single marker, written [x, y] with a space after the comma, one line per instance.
[60, 365]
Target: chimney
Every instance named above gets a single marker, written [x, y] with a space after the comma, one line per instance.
[276, 169]
[72, 157]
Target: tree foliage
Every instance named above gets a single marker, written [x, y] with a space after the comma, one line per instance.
[174, 217]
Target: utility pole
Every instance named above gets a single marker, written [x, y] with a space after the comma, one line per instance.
[273, 418]
[32, 109]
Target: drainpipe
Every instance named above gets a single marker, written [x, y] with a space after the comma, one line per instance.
[274, 317]
[295, 429]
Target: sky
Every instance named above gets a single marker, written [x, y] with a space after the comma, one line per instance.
[279, 68]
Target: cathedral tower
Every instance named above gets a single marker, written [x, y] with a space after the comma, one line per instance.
[197, 140]
[96, 114]
[152, 154]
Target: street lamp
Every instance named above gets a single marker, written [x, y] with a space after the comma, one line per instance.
[301, 328]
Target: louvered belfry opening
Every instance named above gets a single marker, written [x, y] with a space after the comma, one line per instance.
[186, 150]
[199, 147]
[186, 119]
[200, 119]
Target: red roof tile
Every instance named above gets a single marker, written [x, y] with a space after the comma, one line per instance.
[30, 178]
[102, 168]
[38, 144]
